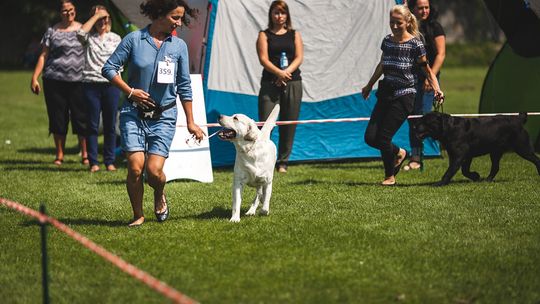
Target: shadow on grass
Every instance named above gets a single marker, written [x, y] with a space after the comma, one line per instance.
[50, 150]
[458, 182]
[44, 167]
[215, 213]
[398, 184]
[81, 222]
[123, 181]
[342, 166]
[20, 162]
[119, 182]
[318, 182]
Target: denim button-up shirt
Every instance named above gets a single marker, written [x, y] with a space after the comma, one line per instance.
[142, 55]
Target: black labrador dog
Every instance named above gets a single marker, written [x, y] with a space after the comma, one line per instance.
[465, 138]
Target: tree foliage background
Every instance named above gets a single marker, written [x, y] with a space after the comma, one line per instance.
[25, 21]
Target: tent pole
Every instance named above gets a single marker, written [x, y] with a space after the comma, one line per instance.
[205, 36]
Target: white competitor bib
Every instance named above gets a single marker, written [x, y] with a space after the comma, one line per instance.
[165, 72]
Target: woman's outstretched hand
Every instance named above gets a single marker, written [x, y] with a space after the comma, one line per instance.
[365, 91]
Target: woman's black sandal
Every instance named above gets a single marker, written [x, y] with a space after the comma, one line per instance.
[161, 217]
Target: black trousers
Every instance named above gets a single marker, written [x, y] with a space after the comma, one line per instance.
[386, 119]
[65, 100]
[289, 100]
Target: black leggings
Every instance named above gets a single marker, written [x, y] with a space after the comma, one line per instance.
[386, 119]
[65, 100]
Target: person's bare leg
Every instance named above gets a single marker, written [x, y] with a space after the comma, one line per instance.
[156, 180]
[59, 143]
[400, 157]
[84, 150]
[135, 186]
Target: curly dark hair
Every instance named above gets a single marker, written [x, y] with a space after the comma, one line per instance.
[433, 12]
[154, 9]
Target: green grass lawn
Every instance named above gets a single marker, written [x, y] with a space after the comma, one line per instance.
[461, 87]
[334, 235]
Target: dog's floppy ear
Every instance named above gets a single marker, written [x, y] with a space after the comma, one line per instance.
[252, 132]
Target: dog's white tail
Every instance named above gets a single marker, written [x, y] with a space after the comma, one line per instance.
[270, 123]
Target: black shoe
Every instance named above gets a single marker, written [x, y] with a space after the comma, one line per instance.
[161, 217]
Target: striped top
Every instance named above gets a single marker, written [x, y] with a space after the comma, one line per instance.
[65, 60]
[400, 64]
[97, 51]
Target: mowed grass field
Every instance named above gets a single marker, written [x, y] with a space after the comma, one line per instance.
[334, 235]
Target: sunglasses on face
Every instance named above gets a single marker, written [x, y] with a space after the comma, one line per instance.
[68, 11]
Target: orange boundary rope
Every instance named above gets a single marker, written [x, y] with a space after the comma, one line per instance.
[126, 267]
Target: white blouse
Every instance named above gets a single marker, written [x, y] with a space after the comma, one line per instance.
[97, 50]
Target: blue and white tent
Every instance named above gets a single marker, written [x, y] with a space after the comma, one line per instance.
[341, 49]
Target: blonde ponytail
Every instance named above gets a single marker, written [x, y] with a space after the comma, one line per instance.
[412, 23]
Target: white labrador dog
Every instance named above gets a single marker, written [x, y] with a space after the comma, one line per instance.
[255, 159]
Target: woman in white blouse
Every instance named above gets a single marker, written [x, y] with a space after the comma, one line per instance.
[101, 97]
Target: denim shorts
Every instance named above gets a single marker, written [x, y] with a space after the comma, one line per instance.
[151, 136]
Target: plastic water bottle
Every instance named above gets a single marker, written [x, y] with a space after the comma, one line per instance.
[283, 61]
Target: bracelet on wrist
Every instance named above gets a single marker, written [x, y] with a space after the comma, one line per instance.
[130, 93]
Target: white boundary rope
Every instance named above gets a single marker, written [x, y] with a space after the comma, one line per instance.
[318, 121]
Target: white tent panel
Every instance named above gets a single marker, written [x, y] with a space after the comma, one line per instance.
[341, 44]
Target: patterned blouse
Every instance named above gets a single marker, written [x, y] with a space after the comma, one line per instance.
[65, 60]
[97, 51]
[400, 64]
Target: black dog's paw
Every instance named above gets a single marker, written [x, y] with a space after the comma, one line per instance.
[474, 176]
[490, 178]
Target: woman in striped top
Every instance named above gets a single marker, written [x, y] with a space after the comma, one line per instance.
[61, 61]
[403, 54]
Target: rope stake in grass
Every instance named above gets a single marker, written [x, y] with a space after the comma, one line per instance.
[355, 119]
[133, 271]
[44, 257]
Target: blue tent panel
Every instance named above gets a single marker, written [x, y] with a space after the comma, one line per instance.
[327, 141]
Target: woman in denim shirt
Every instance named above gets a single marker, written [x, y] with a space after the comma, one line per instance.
[158, 72]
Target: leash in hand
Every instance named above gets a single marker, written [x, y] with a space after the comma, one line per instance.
[192, 141]
[438, 104]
